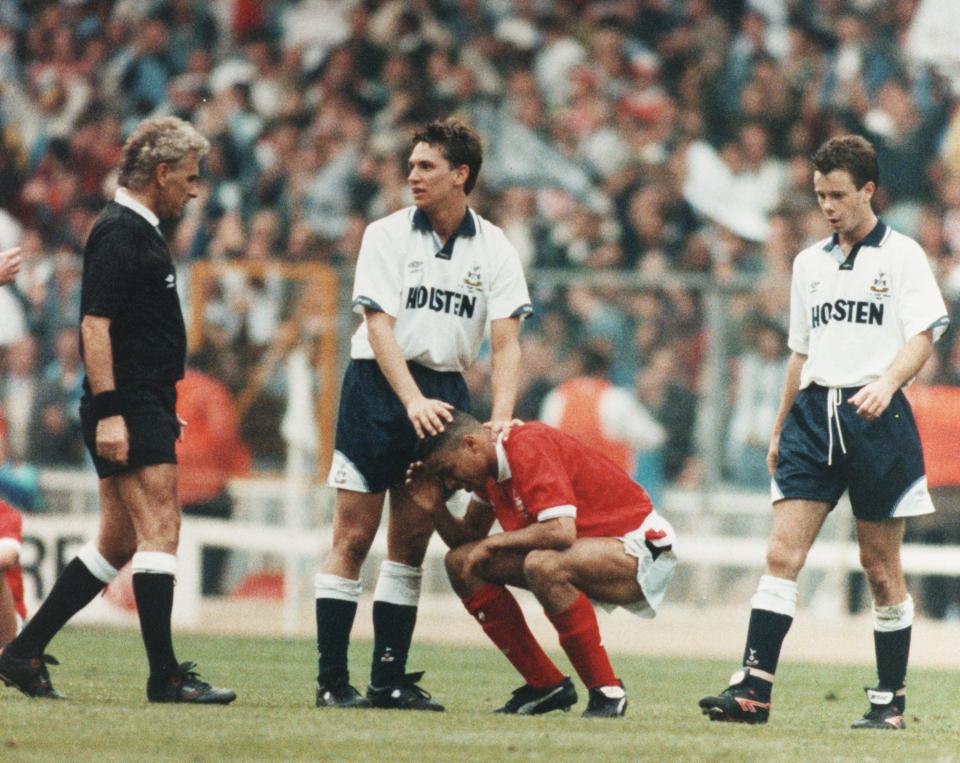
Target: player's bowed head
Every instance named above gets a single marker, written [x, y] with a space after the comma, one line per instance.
[461, 457]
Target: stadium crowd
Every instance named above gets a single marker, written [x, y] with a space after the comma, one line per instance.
[664, 139]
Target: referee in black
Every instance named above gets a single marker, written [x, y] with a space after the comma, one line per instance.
[134, 347]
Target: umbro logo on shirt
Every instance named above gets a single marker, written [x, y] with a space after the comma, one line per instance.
[171, 281]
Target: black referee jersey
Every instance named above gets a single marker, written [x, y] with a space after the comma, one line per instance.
[128, 276]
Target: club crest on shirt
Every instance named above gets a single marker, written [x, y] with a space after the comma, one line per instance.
[474, 279]
[880, 288]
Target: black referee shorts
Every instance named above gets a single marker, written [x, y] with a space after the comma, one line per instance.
[150, 413]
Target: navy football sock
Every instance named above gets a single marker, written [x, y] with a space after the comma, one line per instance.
[334, 623]
[393, 626]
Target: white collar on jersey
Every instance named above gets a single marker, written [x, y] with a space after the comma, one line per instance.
[503, 466]
[124, 199]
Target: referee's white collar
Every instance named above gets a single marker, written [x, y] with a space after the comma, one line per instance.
[125, 199]
[503, 466]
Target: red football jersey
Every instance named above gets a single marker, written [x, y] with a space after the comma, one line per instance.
[554, 475]
[11, 533]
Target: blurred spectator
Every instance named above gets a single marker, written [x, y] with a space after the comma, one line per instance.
[589, 407]
[659, 388]
[936, 407]
[761, 374]
[209, 453]
[661, 137]
[20, 398]
[58, 441]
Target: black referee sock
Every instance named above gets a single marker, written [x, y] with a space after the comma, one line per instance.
[393, 626]
[154, 594]
[334, 623]
[74, 589]
[762, 651]
[893, 650]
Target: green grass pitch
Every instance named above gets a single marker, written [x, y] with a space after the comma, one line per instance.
[107, 717]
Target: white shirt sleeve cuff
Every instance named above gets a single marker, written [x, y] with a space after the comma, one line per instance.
[556, 512]
[11, 543]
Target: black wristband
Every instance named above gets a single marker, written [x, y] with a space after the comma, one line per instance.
[107, 404]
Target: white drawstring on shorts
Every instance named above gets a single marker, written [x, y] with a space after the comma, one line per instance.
[834, 401]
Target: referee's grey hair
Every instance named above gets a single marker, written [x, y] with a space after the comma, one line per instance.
[162, 140]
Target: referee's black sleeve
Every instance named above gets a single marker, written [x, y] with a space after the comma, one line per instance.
[110, 256]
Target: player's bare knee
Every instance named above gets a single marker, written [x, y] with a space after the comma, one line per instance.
[784, 561]
[881, 579]
[353, 545]
[542, 566]
[413, 546]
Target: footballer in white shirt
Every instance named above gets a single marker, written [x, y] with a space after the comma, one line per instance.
[865, 311]
[431, 279]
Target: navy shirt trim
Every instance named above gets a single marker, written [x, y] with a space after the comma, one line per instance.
[467, 228]
[874, 238]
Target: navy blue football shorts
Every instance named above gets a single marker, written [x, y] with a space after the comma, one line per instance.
[375, 440]
[826, 449]
[149, 411]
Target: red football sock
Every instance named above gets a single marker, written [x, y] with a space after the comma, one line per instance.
[580, 639]
[499, 615]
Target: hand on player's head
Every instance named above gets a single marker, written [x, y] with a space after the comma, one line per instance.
[502, 426]
[429, 416]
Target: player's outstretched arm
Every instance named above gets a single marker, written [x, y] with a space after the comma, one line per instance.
[504, 370]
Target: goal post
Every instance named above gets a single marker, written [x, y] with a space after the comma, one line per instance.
[309, 318]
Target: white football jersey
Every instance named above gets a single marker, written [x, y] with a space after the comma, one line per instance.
[851, 315]
[441, 296]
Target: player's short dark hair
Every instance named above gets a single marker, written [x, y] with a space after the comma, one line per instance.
[852, 153]
[459, 144]
[453, 431]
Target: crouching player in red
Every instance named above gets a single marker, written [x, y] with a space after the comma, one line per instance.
[12, 610]
[576, 530]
